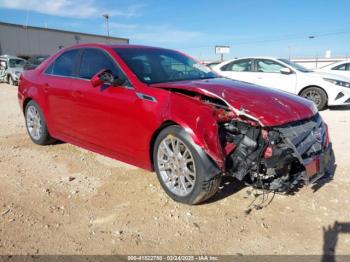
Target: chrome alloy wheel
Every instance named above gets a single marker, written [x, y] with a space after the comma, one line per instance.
[176, 166]
[33, 121]
[313, 96]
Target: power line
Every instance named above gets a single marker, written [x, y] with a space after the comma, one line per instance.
[283, 38]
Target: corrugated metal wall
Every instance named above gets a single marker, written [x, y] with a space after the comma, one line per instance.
[25, 41]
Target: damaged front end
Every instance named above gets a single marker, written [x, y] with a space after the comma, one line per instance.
[276, 158]
[255, 148]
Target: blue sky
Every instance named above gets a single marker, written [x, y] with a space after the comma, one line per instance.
[250, 27]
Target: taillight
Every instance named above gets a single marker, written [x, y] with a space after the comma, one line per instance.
[20, 79]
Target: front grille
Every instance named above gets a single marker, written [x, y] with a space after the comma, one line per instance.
[307, 136]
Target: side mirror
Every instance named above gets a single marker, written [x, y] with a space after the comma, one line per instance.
[286, 71]
[119, 80]
[105, 76]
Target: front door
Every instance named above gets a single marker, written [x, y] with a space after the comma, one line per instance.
[103, 115]
[268, 74]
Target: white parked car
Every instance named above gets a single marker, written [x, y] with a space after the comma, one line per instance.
[340, 68]
[322, 88]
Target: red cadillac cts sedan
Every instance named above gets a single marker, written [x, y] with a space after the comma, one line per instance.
[160, 110]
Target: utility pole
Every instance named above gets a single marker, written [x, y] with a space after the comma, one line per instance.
[289, 52]
[27, 18]
[106, 16]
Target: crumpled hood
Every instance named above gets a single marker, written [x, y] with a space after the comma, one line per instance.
[270, 107]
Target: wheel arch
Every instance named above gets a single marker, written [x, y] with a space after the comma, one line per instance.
[25, 103]
[165, 124]
[299, 94]
[208, 162]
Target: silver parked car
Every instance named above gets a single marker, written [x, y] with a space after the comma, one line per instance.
[11, 67]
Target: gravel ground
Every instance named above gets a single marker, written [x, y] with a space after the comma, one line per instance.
[61, 199]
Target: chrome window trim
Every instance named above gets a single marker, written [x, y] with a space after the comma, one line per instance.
[128, 86]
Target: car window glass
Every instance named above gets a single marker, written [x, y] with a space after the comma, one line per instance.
[93, 61]
[142, 67]
[244, 65]
[268, 66]
[64, 65]
[348, 69]
[16, 63]
[340, 67]
[161, 65]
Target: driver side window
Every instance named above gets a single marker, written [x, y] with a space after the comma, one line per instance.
[93, 61]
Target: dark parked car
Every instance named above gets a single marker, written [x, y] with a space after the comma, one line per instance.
[34, 61]
[161, 110]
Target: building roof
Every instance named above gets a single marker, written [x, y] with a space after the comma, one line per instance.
[59, 30]
[10, 57]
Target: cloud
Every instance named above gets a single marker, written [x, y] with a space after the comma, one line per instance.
[130, 11]
[69, 8]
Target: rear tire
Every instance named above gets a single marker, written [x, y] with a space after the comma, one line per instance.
[316, 95]
[36, 125]
[179, 167]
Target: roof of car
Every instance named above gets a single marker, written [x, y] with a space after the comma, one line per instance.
[257, 57]
[330, 66]
[111, 45]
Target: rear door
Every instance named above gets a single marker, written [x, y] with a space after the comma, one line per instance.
[56, 84]
[241, 69]
[268, 73]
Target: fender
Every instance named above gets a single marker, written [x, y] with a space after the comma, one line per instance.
[202, 128]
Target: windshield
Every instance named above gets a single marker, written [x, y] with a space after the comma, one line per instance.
[295, 66]
[161, 65]
[17, 63]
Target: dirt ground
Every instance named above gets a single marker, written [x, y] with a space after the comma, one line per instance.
[61, 199]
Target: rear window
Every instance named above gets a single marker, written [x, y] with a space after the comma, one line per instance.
[65, 64]
[244, 65]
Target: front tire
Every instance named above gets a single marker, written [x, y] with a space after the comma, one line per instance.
[316, 95]
[179, 167]
[36, 125]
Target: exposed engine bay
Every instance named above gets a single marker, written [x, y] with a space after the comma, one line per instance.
[276, 158]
